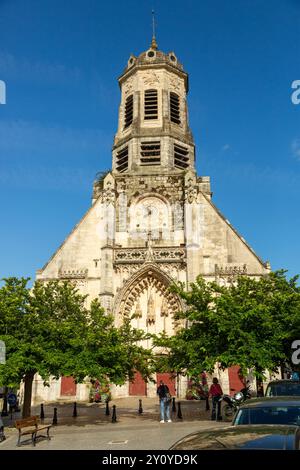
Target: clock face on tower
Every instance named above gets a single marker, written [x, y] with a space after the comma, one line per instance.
[149, 216]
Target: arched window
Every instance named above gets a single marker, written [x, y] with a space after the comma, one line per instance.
[174, 108]
[151, 104]
[128, 111]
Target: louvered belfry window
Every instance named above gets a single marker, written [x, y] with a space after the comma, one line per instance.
[181, 157]
[151, 104]
[128, 111]
[122, 160]
[150, 153]
[174, 108]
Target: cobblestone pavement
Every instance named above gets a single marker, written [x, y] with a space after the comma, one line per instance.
[92, 429]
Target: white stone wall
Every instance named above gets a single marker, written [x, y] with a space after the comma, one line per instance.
[88, 255]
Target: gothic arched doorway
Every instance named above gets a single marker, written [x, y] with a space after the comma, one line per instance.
[148, 302]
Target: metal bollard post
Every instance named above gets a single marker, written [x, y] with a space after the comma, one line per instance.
[107, 412]
[42, 414]
[54, 422]
[75, 410]
[114, 415]
[173, 405]
[207, 408]
[140, 407]
[179, 414]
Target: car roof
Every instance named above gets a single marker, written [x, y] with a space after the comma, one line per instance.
[283, 381]
[265, 436]
[271, 401]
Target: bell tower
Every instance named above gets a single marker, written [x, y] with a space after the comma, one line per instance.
[153, 134]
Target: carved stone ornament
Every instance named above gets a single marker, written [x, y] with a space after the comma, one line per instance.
[139, 255]
[150, 320]
[175, 84]
[107, 195]
[72, 273]
[148, 278]
[191, 194]
[150, 79]
[230, 273]
[172, 269]
[128, 87]
[126, 270]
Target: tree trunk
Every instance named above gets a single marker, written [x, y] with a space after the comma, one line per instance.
[28, 379]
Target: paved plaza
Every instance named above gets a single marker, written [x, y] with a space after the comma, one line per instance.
[93, 430]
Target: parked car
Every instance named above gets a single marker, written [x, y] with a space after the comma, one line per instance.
[279, 388]
[278, 410]
[266, 437]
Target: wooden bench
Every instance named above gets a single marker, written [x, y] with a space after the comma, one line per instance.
[31, 426]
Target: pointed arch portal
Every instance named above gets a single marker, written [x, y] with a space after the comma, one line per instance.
[147, 300]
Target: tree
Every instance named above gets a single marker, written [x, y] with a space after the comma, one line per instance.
[250, 323]
[48, 330]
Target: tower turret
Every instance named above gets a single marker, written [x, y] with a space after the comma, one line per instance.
[153, 130]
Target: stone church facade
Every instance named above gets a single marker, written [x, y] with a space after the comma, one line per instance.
[152, 220]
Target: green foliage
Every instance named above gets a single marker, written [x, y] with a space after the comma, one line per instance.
[251, 323]
[49, 330]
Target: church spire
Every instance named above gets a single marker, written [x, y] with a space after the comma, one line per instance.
[153, 42]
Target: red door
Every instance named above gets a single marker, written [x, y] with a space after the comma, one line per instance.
[169, 380]
[235, 379]
[138, 387]
[67, 386]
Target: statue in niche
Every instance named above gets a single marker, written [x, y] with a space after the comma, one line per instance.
[151, 310]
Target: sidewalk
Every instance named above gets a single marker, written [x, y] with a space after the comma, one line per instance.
[126, 410]
[92, 429]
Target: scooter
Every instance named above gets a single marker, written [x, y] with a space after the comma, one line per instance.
[233, 403]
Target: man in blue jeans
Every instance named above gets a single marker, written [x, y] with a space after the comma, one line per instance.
[164, 402]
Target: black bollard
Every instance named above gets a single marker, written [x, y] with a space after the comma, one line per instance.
[54, 422]
[75, 410]
[179, 414]
[42, 414]
[207, 407]
[140, 407]
[114, 415]
[173, 405]
[107, 412]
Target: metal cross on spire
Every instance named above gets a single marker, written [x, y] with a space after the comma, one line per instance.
[153, 43]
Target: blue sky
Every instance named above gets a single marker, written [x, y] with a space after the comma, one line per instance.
[60, 62]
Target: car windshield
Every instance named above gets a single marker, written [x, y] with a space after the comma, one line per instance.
[269, 415]
[286, 389]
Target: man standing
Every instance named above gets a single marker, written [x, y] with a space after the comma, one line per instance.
[164, 402]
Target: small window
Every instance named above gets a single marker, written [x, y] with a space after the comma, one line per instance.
[174, 108]
[128, 111]
[150, 153]
[122, 160]
[181, 157]
[151, 104]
